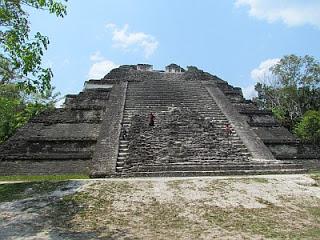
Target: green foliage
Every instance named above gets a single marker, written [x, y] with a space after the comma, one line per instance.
[17, 191]
[11, 108]
[293, 89]
[308, 128]
[25, 88]
[295, 71]
[17, 107]
[21, 55]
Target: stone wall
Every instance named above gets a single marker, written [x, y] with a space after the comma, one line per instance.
[58, 140]
[44, 167]
[306, 154]
[105, 155]
[60, 115]
[294, 150]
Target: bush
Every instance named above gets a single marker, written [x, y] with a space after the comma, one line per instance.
[17, 108]
[308, 129]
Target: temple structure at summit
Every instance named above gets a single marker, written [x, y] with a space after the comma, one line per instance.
[202, 126]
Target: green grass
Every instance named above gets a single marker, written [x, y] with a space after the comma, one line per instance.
[110, 209]
[316, 172]
[32, 185]
[268, 222]
[17, 191]
[250, 180]
[316, 176]
[175, 184]
[30, 178]
[260, 180]
[162, 215]
[95, 210]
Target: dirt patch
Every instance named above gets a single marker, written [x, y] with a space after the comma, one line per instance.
[165, 208]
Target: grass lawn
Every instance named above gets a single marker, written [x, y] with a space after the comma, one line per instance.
[262, 207]
[29, 178]
[316, 176]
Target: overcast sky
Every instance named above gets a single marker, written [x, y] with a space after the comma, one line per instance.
[237, 40]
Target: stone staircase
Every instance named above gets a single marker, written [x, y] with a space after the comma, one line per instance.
[188, 138]
[104, 130]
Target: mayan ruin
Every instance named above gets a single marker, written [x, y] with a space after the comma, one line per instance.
[159, 120]
[202, 126]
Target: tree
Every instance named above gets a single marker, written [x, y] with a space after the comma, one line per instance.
[293, 90]
[308, 129]
[11, 106]
[17, 107]
[25, 88]
[21, 55]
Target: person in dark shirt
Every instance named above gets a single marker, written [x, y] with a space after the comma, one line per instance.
[124, 134]
[228, 130]
[151, 119]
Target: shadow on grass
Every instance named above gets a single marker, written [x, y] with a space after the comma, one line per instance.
[39, 210]
[28, 178]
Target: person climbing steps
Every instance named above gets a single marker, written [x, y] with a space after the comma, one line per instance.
[151, 119]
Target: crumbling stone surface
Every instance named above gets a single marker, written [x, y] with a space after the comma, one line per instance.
[64, 137]
[43, 166]
[189, 133]
[104, 130]
[130, 74]
[280, 141]
[60, 115]
[105, 156]
[180, 136]
[89, 99]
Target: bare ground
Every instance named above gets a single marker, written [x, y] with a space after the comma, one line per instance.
[258, 207]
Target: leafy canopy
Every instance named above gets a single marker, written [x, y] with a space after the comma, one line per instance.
[18, 107]
[25, 88]
[21, 54]
[293, 90]
[308, 129]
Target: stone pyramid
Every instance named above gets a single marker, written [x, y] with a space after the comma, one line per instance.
[203, 126]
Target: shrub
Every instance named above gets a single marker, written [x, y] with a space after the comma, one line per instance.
[308, 129]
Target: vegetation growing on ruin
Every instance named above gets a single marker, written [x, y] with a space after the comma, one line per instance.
[293, 95]
[308, 129]
[18, 106]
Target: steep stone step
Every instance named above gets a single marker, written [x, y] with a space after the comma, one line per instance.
[120, 164]
[122, 158]
[48, 156]
[217, 167]
[214, 173]
[123, 154]
[119, 169]
[159, 97]
[42, 139]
